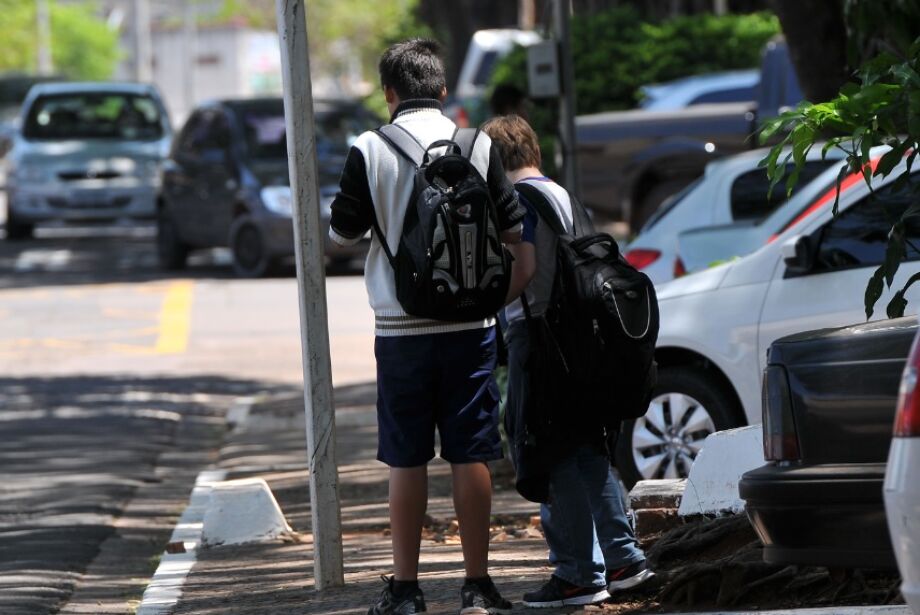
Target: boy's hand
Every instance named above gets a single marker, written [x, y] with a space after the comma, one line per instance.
[513, 235]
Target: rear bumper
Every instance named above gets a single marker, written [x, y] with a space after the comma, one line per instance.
[821, 515]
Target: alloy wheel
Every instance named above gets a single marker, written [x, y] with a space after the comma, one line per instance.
[668, 438]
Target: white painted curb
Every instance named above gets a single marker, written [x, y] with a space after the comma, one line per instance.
[165, 587]
[712, 487]
[830, 610]
[241, 511]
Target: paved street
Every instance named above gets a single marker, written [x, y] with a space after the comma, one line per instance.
[115, 382]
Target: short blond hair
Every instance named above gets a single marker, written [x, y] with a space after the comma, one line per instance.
[516, 141]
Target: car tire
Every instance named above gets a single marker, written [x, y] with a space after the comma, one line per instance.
[251, 256]
[652, 200]
[172, 252]
[665, 444]
[16, 229]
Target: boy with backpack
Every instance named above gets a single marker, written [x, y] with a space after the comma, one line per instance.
[436, 273]
[584, 519]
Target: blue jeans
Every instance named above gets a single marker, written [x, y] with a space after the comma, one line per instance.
[585, 521]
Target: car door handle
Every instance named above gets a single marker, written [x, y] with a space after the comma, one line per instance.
[231, 184]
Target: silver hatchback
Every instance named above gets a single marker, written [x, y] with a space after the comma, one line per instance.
[86, 151]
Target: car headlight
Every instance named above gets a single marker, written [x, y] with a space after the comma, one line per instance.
[277, 199]
[28, 174]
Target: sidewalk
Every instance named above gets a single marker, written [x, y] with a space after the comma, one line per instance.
[721, 566]
[276, 577]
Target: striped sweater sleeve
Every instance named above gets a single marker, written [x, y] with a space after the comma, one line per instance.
[353, 206]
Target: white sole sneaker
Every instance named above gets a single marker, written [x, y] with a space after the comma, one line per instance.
[575, 600]
[633, 581]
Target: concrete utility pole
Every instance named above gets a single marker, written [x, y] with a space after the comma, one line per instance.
[143, 53]
[311, 278]
[43, 21]
[562, 12]
[720, 7]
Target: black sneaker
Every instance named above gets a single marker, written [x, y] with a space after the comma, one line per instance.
[557, 592]
[628, 577]
[482, 599]
[390, 603]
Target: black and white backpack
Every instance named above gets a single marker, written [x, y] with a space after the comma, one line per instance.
[450, 264]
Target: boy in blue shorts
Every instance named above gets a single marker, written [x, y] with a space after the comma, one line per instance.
[430, 374]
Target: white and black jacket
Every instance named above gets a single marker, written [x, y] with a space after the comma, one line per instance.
[378, 181]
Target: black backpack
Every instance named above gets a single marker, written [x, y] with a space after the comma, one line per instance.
[450, 264]
[602, 326]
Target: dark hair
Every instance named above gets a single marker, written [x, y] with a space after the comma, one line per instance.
[507, 99]
[516, 141]
[414, 69]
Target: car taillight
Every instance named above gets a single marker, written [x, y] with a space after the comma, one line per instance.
[907, 419]
[780, 440]
[641, 258]
[679, 268]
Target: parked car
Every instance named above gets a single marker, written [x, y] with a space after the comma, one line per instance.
[829, 399]
[717, 324]
[698, 248]
[631, 161]
[732, 189]
[723, 87]
[901, 488]
[467, 104]
[86, 151]
[226, 182]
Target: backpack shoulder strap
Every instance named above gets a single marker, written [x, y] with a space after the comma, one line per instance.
[536, 198]
[581, 220]
[404, 143]
[466, 139]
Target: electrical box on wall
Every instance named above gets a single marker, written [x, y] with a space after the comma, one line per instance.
[543, 70]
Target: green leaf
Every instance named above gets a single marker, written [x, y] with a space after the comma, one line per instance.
[874, 290]
[894, 252]
[897, 305]
[844, 171]
[890, 159]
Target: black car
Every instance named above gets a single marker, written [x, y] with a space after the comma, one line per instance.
[226, 181]
[829, 400]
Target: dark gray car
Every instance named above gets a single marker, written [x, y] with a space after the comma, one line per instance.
[226, 182]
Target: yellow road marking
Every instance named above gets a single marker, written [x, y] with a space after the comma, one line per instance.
[175, 318]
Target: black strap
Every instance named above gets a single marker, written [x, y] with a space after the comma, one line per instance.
[403, 142]
[382, 238]
[581, 221]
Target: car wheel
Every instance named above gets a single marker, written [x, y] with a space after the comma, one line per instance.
[172, 252]
[251, 257]
[16, 229]
[688, 404]
[652, 201]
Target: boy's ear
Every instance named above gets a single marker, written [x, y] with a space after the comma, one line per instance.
[389, 94]
[443, 94]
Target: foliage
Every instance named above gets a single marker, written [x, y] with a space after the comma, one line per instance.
[616, 52]
[882, 107]
[82, 46]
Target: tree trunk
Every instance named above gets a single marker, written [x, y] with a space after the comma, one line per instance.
[816, 34]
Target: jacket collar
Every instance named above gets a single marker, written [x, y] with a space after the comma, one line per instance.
[415, 105]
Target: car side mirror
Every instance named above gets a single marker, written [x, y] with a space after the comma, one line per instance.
[799, 255]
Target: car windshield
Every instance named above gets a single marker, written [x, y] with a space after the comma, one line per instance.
[96, 115]
[668, 205]
[266, 138]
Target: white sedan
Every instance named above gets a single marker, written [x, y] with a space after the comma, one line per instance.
[902, 489]
[716, 325]
[732, 190]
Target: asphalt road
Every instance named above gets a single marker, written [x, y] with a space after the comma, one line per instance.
[115, 379]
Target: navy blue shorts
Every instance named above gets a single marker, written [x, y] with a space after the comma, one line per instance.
[442, 380]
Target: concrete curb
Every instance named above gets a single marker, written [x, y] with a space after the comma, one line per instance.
[165, 587]
[831, 610]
